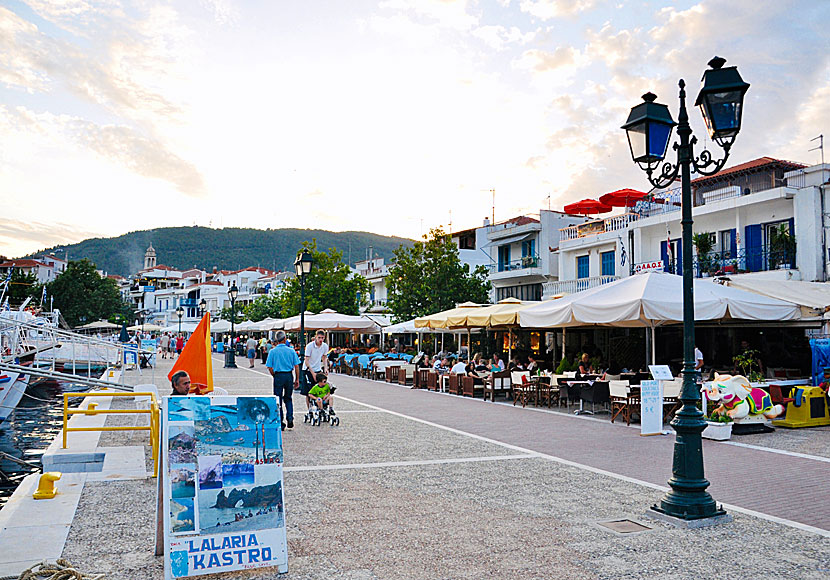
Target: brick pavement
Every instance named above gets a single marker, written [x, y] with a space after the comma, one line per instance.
[778, 485]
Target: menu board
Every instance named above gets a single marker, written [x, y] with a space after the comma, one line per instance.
[651, 410]
[222, 485]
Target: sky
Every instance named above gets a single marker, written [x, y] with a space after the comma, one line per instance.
[390, 116]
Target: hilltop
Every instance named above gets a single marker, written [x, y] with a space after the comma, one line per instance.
[226, 249]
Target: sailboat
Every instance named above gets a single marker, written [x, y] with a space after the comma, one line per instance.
[12, 387]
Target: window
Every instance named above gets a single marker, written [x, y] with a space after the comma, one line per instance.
[525, 292]
[528, 248]
[467, 242]
[582, 268]
[607, 263]
[504, 258]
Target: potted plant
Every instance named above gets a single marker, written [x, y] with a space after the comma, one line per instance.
[718, 427]
[704, 244]
[781, 248]
[749, 365]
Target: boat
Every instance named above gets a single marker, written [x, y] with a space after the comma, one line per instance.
[12, 388]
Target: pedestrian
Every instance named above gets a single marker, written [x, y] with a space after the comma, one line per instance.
[179, 344]
[250, 346]
[284, 365]
[181, 384]
[316, 360]
[164, 344]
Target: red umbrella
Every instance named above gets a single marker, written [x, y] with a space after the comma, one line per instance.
[587, 206]
[623, 197]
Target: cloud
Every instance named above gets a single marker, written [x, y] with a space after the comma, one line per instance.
[542, 61]
[549, 9]
[446, 13]
[24, 237]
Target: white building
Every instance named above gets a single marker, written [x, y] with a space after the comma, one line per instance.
[522, 253]
[375, 272]
[744, 209]
[45, 268]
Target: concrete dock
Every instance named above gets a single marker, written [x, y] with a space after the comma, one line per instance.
[415, 484]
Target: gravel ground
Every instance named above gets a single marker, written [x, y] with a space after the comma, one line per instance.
[524, 518]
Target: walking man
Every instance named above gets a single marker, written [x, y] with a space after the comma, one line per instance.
[250, 346]
[284, 365]
[316, 360]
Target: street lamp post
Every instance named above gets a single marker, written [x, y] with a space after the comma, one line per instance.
[180, 313]
[302, 267]
[649, 128]
[230, 355]
[202, 308]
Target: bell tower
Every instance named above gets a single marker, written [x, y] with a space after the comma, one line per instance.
[150, 257]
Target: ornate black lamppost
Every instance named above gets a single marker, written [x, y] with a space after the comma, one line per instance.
[649, 128]
[302, 266]
[230, 356]
[180, 313]
[202, 308]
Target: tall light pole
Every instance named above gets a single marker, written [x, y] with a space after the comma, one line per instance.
[649, 128]
[302, 267]
[202, 308]
[180, 313]
[230, 356]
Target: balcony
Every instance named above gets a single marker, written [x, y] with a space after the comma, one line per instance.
[520, 264]
[551, 289]
[497, 232]
[596, 227]
[743, 261]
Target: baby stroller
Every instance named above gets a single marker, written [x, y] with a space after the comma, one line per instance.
[317, 416]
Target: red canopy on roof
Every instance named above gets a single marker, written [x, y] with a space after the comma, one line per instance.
[623, 197]
[587, 206]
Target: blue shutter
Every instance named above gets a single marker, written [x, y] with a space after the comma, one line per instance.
[664, 255]
[679, 258]
[733, 243]
[754, 247]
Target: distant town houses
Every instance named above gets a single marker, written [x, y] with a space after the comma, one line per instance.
[157, 291]
[46, 268]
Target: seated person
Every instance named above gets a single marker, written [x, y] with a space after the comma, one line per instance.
[493, 366]
[322, 393]
[181, 384]
[471, 371]
[532, 365]
[516, 364]
[423, 363]
[480, 364]
[459, 368]
[585, 367]
[442, 365]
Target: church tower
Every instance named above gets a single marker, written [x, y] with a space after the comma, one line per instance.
[150, 257]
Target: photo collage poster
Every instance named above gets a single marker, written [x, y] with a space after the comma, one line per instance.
[223, 485]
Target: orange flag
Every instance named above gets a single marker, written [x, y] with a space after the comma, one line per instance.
[195, 359]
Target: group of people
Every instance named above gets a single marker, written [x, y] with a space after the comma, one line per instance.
[170, 344]
[478, 367]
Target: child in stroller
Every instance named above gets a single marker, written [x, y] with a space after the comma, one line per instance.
[321, 403]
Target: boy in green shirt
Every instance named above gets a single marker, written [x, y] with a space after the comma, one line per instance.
[322, 393]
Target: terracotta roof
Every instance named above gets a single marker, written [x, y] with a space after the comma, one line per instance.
[210, 283]
[522, 220]
[115, 277]
[54, 257]
[23, 264]
[749, 166]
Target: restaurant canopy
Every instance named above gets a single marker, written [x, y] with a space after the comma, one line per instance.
[813, 297]
[505, 313]
[268, 324]
[99, 325]
[330, 320]
[146, 327]
[440, 319]
[652, 299]
[220, 326]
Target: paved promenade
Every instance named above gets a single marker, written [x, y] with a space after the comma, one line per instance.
[424, 485]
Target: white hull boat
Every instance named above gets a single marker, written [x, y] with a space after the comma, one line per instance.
[12, 388]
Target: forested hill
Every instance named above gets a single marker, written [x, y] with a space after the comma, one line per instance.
[227, 248]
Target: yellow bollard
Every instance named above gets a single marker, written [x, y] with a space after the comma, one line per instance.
[46, 486]
[91, 407]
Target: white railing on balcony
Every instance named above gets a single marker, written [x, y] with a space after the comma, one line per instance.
[551, 289]
[592, 228]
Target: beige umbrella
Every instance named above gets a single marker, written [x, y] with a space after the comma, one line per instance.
[100, 325]
[330, 320]
[146, 327]
[441, 319]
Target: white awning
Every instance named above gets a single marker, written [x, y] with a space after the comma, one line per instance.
[510, 240]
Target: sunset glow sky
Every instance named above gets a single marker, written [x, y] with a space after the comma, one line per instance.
[389, 116]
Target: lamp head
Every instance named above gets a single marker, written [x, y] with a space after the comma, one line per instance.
[233, 292]
[179, 311]
[649, 128]
[303, 263]
[721, 101]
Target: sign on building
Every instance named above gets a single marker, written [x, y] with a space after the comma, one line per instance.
[222, 485]
[645, 266]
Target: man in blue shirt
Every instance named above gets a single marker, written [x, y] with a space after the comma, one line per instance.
[284, 365]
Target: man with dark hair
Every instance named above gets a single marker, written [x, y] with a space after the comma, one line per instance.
[181, 384]
[284, 365]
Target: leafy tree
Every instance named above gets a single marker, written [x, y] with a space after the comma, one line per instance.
[225, 313]
[21, 286]
[429, 277]
[329, 285]
[267, 306]
[83, 296]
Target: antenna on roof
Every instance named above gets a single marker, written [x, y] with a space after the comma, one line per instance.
[820, 146]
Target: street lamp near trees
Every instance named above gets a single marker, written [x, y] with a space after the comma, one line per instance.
[202, 308]
[230, 355]
[302, 267]
[649, 127]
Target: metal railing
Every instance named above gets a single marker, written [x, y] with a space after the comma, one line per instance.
[153, 411]
[520, 264]
[740, 262]
[550, 289]
[593, 228]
